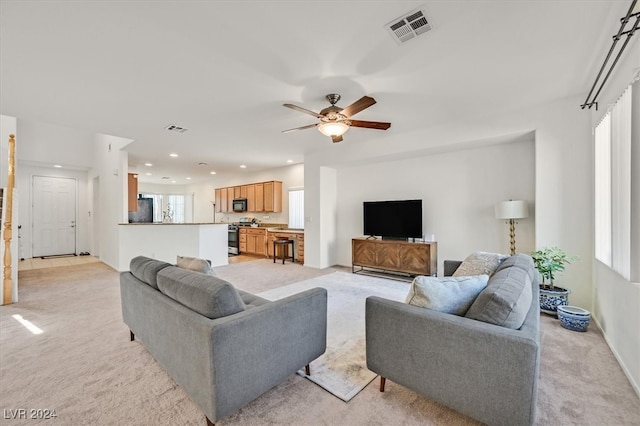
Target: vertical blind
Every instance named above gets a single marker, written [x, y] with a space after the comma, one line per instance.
[613, 186]
[296, 208]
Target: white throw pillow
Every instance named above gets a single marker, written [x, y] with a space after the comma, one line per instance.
[480, 263]
[452, 295]
[195, 264]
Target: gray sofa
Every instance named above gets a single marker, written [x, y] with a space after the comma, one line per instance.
[486, 371]
[223, 346]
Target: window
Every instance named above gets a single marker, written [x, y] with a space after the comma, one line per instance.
[296, 208]
[175, 208]
[613, 187]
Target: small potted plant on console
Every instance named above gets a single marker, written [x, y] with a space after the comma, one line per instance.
[549, 261]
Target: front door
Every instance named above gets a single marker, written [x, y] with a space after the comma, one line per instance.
[54, 216]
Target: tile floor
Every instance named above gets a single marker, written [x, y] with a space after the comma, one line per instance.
[38, 263]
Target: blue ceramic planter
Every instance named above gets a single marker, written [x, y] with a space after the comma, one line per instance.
[551, 299]
[574, 318]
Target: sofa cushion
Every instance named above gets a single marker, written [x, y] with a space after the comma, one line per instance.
[195, 264]
[522, 261]
[480, 263]
[452, 295]
[205, 294]
[506, 300]
[146, 269]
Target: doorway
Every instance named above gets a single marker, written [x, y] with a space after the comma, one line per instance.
[54, 216]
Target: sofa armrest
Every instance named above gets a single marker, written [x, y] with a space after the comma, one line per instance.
[450, 266]
[259, 348]
[482, 370]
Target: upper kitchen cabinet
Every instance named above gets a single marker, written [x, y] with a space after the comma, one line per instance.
[273, 196]
[132, 185]
[261, 197]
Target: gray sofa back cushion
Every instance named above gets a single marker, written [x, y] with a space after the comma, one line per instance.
[522, 261]
[506, 300]
[146, 269]
[205, 294]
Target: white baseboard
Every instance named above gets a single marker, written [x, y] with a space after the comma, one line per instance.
[626, 372]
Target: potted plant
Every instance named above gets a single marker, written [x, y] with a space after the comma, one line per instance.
[549, 261]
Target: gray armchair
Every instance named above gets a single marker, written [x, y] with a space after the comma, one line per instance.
[485, 371]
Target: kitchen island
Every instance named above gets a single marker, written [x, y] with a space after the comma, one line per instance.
[165, 241]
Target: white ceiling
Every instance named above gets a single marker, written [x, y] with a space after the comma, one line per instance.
[223, 69]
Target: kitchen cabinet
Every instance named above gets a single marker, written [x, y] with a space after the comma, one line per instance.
[259, 206]
[224, 201]
[132, 192]
[251, 198]
[298, 243]
[218, 205]
[273, 196]
[253, 241]
[230, 200]
[261, 197]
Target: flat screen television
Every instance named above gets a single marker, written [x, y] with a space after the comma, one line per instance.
[393, 219]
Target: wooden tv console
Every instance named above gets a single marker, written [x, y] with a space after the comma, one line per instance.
[394, 256]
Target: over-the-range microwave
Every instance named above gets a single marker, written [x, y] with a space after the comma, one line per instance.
[240, 205]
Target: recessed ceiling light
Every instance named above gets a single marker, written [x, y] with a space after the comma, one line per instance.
[212, 173]
[188, 178]
[148, 164]
[148, 174]
[202, 163]
[242, 166]
[173, 155]
[57, 166]
[173, 181]
[289, 161]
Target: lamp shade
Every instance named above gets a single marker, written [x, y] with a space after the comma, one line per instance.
[333, 128]
[512, 209]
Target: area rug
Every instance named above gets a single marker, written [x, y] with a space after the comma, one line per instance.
[342, 370]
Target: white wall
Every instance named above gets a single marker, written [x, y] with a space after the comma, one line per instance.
[616, 307]
[47, 144]
[458, 190]
[24, 181]
[110, 167]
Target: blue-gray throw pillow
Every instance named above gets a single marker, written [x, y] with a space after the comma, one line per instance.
[146, 269]
[452, 295]
[205, 294]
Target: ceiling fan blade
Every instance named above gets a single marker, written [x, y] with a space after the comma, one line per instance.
[336, 139]
[306, 111]
[301, 128]
[378, 125]
[362, 103]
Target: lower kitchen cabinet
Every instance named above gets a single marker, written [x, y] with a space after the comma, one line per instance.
[253, 241]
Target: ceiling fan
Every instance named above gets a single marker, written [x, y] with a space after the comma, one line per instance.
[335, 121]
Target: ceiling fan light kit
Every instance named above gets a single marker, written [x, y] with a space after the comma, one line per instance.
[335, 121]
[336, 128]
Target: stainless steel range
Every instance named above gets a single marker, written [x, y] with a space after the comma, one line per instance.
[234, 239]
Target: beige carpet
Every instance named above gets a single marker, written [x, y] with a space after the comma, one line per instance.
[342, 369]
[84, 367]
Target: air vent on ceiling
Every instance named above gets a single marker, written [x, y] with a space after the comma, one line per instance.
[174, 128]
[165, 177]
[408, 26]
